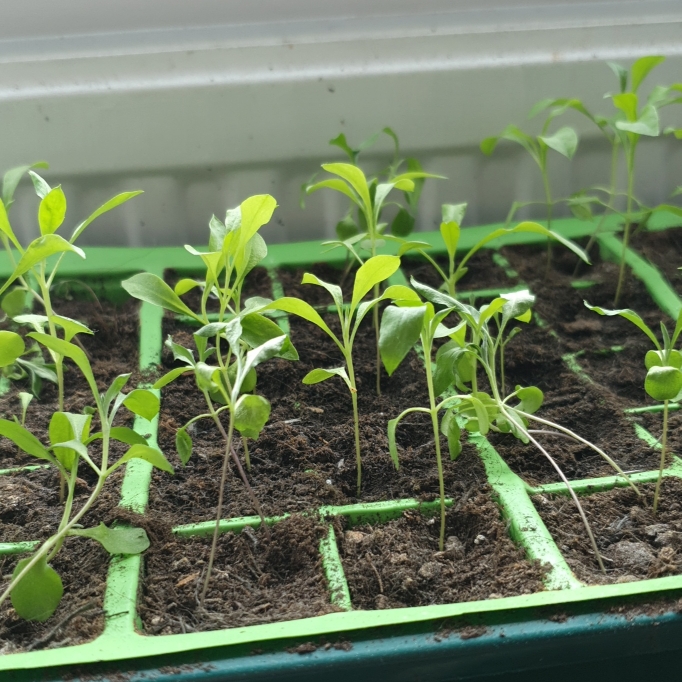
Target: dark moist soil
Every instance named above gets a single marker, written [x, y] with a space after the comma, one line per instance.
[664, 250]
[255, 579]
[580, 330]
[635, 543]
[82, 566]
[398, 563]
[257, 283]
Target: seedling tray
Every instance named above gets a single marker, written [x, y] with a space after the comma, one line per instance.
[516, 628]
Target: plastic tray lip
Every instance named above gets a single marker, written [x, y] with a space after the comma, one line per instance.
[120, 641]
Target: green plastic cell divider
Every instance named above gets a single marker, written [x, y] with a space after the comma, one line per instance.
[120, 598]
[571, 361]
[333, 571]
[526, 526]
[234, 525]
[7, 548]
[672, 407]
[582, 283]
[18, 470]
[502, 262]
[659, 289]
[378, 512]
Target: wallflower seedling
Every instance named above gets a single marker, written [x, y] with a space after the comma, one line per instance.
[663, 380]
[235, 248]
[35, 587]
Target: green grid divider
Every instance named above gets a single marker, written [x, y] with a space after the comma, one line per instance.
[120, 639]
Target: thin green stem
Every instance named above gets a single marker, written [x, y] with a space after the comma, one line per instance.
[664, 443]
[626, 232]
[247, 457]
[219, 510]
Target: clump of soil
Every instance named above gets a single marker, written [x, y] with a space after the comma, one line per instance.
[255, 579]
[398, 563]
[82, 565]
[635, 543]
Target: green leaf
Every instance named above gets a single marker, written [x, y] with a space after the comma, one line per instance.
[255, 357]
[354, 177]
[663, 383]
[403, 223]
[621, 75]
[333, 289]
[117, 385]
[183, 445]
[151, 288]
[453, 213]
[116, 540]
[257, 329]
[38, 593]
[400, 330]
[14, 302]
[24, 439]
[185, 285]
[104, 208]
[123, 434]
[11, 347]
[318, 375]
[70, 327]
[531, 398]
[450, 233]
[171, 376]
[336, 185]
[297, 307]
[143, 403]
[69, 350]
[12, 178]
[371, 272]
[256, 211]
[41, 187]
[147, 453]
[564, 141]
[251, 414]
[647, 124]
[340, 142]
[450, 429]
[6, 227]
[641, 69]
[518, 305]
[629, 315]
[627, 103]
[65, 427]
[39, 250]
[52, 211]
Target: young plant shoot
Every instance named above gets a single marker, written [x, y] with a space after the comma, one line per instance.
[35, 588]
[474, 344]
[453, 214]
[242, 339]
[663, 380]
[369, 275]
[370, 197]
[35, 265]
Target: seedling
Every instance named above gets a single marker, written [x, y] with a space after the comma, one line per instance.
[663, 380]
[369, 275]
[564, 141]
[453, 214]
[34, 259]
[370, 197]
[482, 412]
[35, 587]
[235, 248]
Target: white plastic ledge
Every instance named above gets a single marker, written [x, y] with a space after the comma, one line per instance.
[204, 103]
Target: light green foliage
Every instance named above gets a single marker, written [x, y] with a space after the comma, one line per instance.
[35, 588]
[663, 381]
[36, 264]
[243, 337]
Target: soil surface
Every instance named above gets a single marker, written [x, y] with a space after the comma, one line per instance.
[398, 563]
[664, 250]
[634, 542]
[255, 579]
